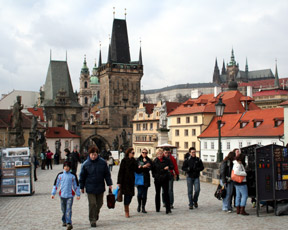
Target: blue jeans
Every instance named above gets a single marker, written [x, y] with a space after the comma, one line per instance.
[171, 193]
[66, 207]
[226, 202]
[142, 191]
[241, 195]
[190, 183]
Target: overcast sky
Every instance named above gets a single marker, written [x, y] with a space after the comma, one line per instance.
[180, 39]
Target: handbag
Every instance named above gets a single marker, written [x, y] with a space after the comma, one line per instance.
[220, 192]
[119, 195]
[110, 200]
[139, 179]
[237, 178]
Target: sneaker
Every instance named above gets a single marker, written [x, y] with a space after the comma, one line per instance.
[93, 225]
[190, 207]
[64, 224]
[229, 211]
[195, 204]
[254, 205]
[69, 226]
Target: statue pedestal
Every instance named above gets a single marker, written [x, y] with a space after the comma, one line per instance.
[163, 136]
[16, 138]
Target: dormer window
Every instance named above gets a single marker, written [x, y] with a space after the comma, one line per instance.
[278, 121]
[257, 122]
[243, 124]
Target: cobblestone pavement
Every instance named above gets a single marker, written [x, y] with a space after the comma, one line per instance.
[41, 212]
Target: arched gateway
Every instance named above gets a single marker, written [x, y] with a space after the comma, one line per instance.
[97, 140]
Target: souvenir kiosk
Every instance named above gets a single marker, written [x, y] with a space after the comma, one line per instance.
[16, 172]
[271, 163]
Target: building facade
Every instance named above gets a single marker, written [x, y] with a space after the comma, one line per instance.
[260, 127]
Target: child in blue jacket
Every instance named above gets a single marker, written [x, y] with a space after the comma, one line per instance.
[69, 185]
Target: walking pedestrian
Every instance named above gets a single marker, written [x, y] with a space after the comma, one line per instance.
[94, 173]
[174, 174]
[43, 159]
[36, 164]
[75, 159]
[144, 160]
[160, 171]
[49, 155]
[241, 187]
[225, 180]
[110, 163]
[193, 166]
[69, 185]
[126, 178]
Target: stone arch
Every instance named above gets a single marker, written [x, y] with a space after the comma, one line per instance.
[97, 140]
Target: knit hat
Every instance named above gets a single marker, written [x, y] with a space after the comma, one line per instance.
[67, 163]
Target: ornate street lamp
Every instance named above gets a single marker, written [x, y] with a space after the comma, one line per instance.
[219, 107]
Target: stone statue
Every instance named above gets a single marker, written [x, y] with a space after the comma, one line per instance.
[163, 116]
[34, 124]
[116, 143]
[16, 114]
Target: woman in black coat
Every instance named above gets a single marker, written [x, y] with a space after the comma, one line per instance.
[145, 162]
[161, 172]
[126, 177]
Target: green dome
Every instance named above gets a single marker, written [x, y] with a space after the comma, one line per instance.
[94, 80]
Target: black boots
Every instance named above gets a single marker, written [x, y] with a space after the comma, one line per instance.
[143, 205]
[139, 203]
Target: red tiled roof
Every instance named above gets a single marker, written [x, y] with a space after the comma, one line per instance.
[171, 106]
[232, 99]
[37, 112]
[262, 83]
[59, 132]
[284, 103]
[231, 128]
[149, 107]
[270, 92]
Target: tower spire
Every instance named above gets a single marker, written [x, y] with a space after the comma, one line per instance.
[109, 51]
[140, 54]
[216, 74]
[232, 60]
[223, 68]
[100, 57]
[246, 66]
[276, 81]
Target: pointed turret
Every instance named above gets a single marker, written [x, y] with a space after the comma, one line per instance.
[216, 74]
[100, 59]
[223, 68]
[140, 57]
[84, 69]
[109, 54]
[276, 81]
[246, 66]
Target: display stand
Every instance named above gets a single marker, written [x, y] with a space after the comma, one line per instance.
[271, 165]
[16, 170]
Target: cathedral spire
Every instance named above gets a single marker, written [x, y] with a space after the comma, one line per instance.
[276, 81]
[109, 54]
[216, 74]
[246, 66]
[232, 60]
[223, 68]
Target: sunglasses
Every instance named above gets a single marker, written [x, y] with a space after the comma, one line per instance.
[144, 152]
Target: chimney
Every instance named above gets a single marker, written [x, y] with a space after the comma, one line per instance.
[249, 91]
[195, 93]
[217, 90]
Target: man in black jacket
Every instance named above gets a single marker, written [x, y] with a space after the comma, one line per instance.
[193, 166]
[94, 173]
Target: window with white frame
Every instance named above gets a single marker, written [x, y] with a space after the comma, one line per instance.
[228, 146]
[205, 145]
[212, 145]
[248, 143]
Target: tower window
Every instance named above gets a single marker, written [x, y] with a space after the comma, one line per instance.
[85, 84]
[125, 120]
[86, 100]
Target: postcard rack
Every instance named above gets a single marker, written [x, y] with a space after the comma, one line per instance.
[16, 172]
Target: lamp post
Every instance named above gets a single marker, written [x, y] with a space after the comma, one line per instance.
[219, 107]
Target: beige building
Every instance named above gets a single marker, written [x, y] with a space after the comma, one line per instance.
[267, 99]
[146, 125]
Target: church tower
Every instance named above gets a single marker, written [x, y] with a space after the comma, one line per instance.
[216, 74]
[85, 91]
[232, 68]
[119, 80]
